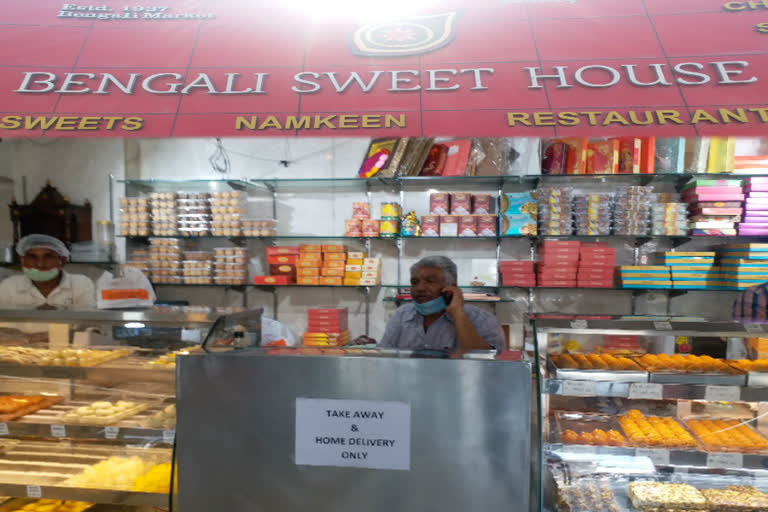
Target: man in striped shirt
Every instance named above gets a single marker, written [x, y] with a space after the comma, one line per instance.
[752, 304]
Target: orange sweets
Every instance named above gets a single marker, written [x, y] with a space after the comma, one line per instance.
[689, 363]
[728, 434]
[597, 436]
[594, 361]
[758, 365]
[655, 431]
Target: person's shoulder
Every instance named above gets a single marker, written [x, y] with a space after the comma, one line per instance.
[474, 312]
[15, 281]
[406, 309]
[79, 280]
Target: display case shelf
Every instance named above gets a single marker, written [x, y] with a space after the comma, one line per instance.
[108, 496]
[112, 317]
[567, 387]
[663, 457]
[120, 368]
[131, 435]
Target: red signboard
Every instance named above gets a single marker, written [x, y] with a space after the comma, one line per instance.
[455, 68]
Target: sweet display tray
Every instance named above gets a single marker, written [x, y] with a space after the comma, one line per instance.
[639, 375]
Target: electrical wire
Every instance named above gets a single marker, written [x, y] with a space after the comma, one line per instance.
[219, 160]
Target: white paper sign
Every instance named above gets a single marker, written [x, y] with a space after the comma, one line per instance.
[753, 328]
[3, 429]
[578, 388]
[58, 431]
[111, 432]
[34, 491]
[353, 433]
[725, 460]
[662, 326]
[658, 457]
[641, 390]
[578, 324]
[722, 393]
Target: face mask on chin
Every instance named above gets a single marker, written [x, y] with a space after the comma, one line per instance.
[431, 307]
[39, 276]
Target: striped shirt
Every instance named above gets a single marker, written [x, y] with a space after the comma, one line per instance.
[405, 330]
[752, 304]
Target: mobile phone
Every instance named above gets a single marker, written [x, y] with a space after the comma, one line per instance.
[447, 297]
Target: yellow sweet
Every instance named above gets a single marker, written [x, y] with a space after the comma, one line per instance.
[157, 479]
[47, 505]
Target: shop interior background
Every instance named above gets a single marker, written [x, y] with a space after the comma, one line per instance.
[80, 169]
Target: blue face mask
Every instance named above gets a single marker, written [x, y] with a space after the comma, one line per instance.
[433, 306]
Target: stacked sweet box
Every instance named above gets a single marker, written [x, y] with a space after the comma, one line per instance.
[558, 264]
[632, 211]
[650, 276]
[755, 221]
[327, 327]
[596, 266]
[555, 211]
[694, 270]
[283, 264]
[518, 273]
[593, 214]
[518, 214]
[743, 265]
[669, 217]
[715, 206]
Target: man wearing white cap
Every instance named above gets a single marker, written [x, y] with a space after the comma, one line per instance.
[44, 284]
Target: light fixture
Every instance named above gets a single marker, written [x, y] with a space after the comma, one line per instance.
[134, 325]
[362, 11]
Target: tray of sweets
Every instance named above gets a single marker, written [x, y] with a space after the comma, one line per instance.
[597, 367]
[16, 406]
[654, 431]
[735, 498]
[756, 370]
[665, 496]
[588, 429]
[727, 436]
[588, 495]
[102, 412]
[690, 369]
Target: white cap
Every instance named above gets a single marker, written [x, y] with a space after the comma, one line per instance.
[37, 241]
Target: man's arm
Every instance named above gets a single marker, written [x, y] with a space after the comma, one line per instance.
[469, 338]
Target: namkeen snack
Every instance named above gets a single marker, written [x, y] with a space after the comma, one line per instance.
[655, 431]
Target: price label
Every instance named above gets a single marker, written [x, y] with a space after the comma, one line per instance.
[111, 432]
[579, 324]
[722, 393]
[754, 328]
[725, 460]
[3, 429]
[662, 326]
[58, 431]
[578, 388]
[169, 436]
[643, 390]
[34, 491]
[658, 457]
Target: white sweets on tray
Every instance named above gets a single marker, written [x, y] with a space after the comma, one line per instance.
[103, 412]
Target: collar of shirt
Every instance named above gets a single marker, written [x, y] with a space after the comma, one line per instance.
[411, 314]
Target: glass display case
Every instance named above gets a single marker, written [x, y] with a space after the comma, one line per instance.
[87, 405]
[652, 413]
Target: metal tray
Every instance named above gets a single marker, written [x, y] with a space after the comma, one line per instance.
[757, 379]
[716, 448]
[638, 375]
[583, 422]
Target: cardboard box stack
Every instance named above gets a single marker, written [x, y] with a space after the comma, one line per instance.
[669, 216]
[362, 271]
[518, 214]
[632, 211]
[558, 264]
[596, 266]
[518, 273]
[283, 266]
[321, 265]
[690, 270]
[648, 276]
[715, 206]
[743, 265]
[755, 220]
[327, 328]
